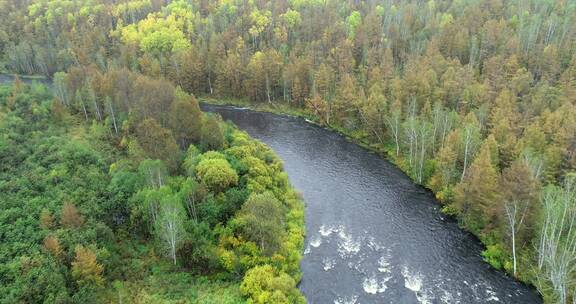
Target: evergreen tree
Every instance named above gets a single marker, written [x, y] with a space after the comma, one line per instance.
[477, 194]
[85, 267]
[70, 217]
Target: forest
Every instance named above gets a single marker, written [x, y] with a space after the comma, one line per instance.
[473, 99]
[141, 212]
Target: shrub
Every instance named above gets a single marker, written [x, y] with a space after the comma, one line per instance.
[216, 174]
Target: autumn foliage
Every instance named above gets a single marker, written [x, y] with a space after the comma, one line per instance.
[70, 217]
[85, 267]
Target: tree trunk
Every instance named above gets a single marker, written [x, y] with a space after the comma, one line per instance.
[84, 109]
[268, 88]
[465, 157]
[113, 117]
[210, 84]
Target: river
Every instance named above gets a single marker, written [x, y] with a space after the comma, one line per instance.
[6, 78]
[373, 236]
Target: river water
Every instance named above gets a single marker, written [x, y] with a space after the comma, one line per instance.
[6, 78]
[373, 236]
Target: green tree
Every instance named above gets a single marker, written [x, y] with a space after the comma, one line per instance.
[504, 120]
[158, 143]
[47, 220]
[216, 174]
[185, 119]
[265, 285]
[262, 221]
[445, 172]
[353, 21]
[519, 192]
[212, 134]
[478, 192]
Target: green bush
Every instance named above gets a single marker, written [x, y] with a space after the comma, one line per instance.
[494, 255]
[266, 285]
[216, 174]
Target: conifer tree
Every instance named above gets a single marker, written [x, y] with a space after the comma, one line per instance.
[85, 268]
[70, 217]
[478, 193]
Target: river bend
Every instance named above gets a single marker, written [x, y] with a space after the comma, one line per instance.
[373, 236]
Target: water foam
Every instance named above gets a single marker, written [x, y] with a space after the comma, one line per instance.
[327, 231]
[346, 300]
[347, 246]
[315, 242]
[447, 297]
[413, 281]
[371, 284]
[492, 295]
[373, 245]
[383, 264]
[328, 263]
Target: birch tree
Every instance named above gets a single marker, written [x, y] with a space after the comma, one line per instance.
[154, 172]
[91, 96]
[534, 162]
[424, 130]
[410, 127]
[192, 194]
[150, 205]
[79, 100]
[393, 121]
[61, 88]
[112, 114]
[470, 139]
[519, 190]
[170, 225]
[557, 245]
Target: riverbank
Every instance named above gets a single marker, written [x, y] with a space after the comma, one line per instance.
[284, 109]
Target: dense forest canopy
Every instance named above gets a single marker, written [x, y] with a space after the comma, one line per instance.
[138, 210]
[474, 99]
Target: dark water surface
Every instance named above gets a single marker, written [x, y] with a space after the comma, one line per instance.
[373, 236]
